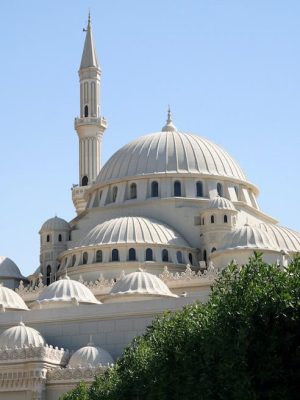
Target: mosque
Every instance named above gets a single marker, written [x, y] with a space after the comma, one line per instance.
[154, 226]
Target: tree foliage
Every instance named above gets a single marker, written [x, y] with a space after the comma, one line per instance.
[243, 344]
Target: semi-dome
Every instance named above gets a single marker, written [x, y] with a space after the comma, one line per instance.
[10, 300]
[64, 292]
[170, 152]
[139, 285]
[132, 230]
[220, 203]
[285, 239]
[21, 336]
[249, 237]
[8, 269]
[90, 355]
[55, 224]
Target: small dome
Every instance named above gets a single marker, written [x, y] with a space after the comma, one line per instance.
[64, 292]
[170, 152]
[249, 237]
[21, 336]
[10, 300]
[220, 203]
[132, 230]
[140, 284]
[8, 269]
[55, 224]
[90, 356]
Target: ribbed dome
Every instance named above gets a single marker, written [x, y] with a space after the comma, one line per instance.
[64, 292]
[10, 300]
[90, 356]
[285, 238]
[8, 268]
[249, 237]
[170, 152]
[132, 230]
[220, 203]
[55, 224]
[140, 284]
[21, 336]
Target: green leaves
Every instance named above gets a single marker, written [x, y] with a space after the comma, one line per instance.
[243, 344]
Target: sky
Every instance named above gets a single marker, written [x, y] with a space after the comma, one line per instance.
[228, 68]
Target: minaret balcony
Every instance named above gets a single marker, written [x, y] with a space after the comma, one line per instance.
[101, 122]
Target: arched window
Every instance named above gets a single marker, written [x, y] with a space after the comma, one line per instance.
[131, 255]
[114, 194]
[213, 250]
[70, 236]
[99, 256]
[85, 258]
[60, 237]
[84, 181]
[191, 258]
[225, 219]
[149, 255]
[58, 267]
[48, 275]
[204, 255]
[177, 189]
[236, 192]
[220, 189]
[115, 255]
[199, 189]
[154, 189]
[179, 257]
[203, 221]
[48, 238]
[73, 260]
[212, 219]
[86, 111]
[165, 255]
[133, 191]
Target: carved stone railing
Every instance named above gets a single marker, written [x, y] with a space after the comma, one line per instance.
[45, 353]
[102, 286]
[75, 374]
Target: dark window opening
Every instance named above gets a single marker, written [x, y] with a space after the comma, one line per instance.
[60, 238]
[199, 189]
[133, 191]
[220, 189]
[154, 189]
[48, 275]
[86, 111]
[225, 219]
[84, 258]
[114, 194]
[99, 256]
[191, 258]
[48, 238]
[115, 255]
[73, 260]
[212, 219]
[205, 256]
[149, 255]
[84, 181]
[177, 189]
[131, 255]
[213, 250]
[165, 255]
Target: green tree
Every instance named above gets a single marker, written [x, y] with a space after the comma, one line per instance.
[243, 344]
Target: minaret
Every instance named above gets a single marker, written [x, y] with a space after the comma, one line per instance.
[90, 126]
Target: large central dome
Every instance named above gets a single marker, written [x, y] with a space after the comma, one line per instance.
[170, 152]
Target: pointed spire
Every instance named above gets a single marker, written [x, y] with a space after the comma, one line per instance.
[89, 56]
[169, 127]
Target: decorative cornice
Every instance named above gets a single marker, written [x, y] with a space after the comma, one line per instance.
[74, 374]
[48, 354]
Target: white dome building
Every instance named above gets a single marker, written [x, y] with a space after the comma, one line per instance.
[137, 286]
[90, 355]
[171, 203]
[64, 293]
[10, 300]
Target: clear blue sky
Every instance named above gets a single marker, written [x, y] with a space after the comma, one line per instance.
[229, 69]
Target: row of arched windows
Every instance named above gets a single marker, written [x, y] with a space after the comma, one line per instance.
[213, 219]
[131, 256]
[49, 238]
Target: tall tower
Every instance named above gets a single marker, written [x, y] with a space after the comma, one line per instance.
[90, 126]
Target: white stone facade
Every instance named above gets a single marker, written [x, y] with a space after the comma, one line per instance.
[154, 227]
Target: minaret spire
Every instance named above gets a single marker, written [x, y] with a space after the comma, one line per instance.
[90, 126]
[169, 126]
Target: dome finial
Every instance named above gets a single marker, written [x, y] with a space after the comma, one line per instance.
[169, 127]
[91, 343]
